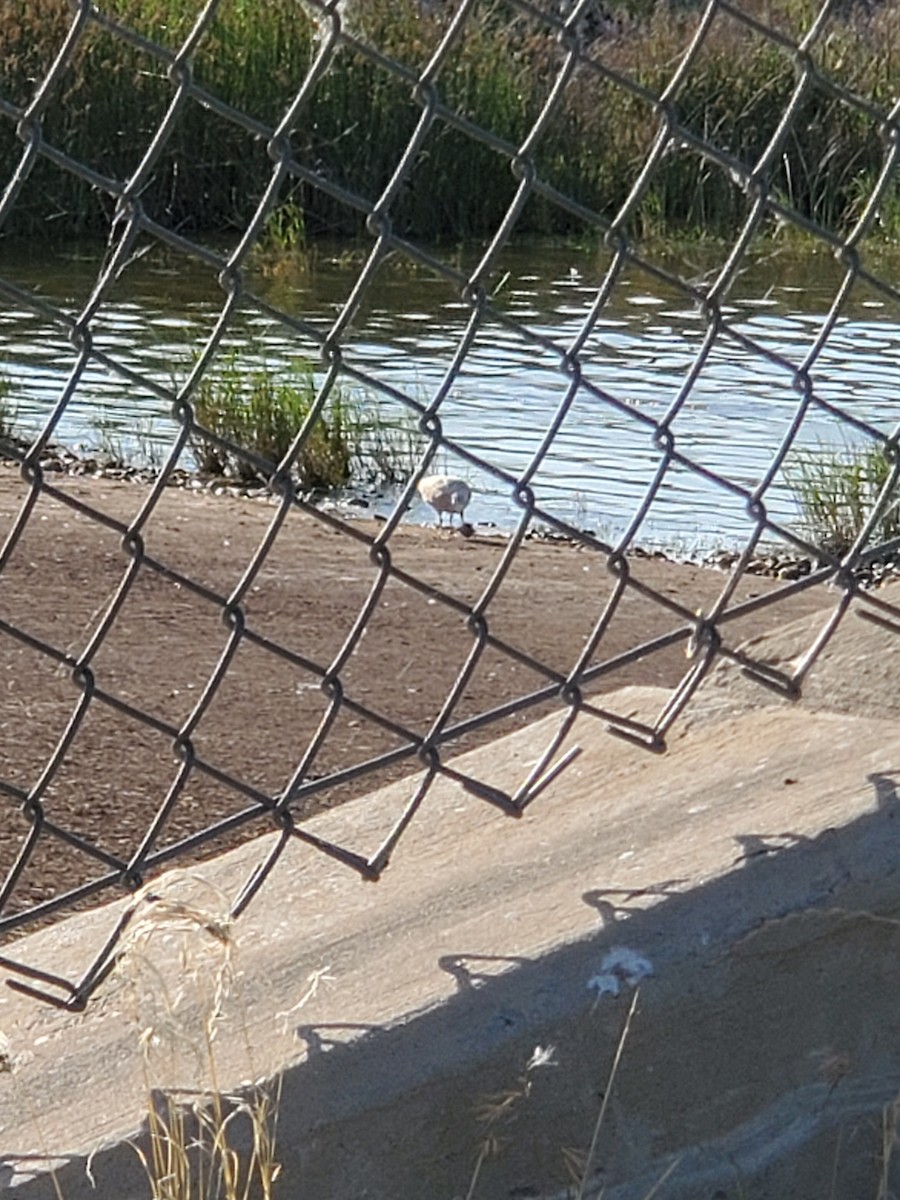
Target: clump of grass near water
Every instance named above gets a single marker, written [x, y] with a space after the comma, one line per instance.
[7, 413]
[837, 491]
[284, 247]
[115, 444]
[350, 442]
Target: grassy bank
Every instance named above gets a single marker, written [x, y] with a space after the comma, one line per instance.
[261, 412]
[254, 57]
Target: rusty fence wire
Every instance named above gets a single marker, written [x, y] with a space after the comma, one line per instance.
[54, 825]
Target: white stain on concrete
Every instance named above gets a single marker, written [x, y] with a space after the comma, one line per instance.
[620, 968]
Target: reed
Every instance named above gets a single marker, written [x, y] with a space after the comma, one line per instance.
[7, 412]
[254, 56]
[258, 414]
[837, 491]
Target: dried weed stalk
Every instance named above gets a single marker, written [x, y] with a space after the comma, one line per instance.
[202, 1143]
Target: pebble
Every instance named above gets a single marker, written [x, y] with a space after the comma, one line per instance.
[58, 459]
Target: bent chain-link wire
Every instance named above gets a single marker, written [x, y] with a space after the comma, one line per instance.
[704, 635]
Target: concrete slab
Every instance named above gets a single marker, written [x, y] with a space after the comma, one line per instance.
[856, 673]
[751, 873]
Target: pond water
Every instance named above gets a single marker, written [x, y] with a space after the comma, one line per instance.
[603, 458]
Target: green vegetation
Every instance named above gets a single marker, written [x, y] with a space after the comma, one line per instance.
[121, 446]
[837, 491]
[211, 173]
[283, 247]
[349, 441]
[7, 412]
[11, 441]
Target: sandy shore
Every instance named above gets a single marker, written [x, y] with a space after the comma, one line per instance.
[168, 636]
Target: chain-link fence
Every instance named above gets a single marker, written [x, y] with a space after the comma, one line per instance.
[113, 765]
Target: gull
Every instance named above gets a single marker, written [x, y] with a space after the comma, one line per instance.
[446, 494]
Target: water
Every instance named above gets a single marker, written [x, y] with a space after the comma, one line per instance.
[603, 459]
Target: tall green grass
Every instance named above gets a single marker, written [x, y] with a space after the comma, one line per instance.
[837, 490]
[254, 57]
[7, 412]
[262, 412]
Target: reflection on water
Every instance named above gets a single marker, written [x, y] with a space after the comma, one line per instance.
[638, 357]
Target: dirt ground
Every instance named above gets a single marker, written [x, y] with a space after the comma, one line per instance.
[150, 665]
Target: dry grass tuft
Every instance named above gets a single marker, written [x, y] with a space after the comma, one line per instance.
[202, 1143]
